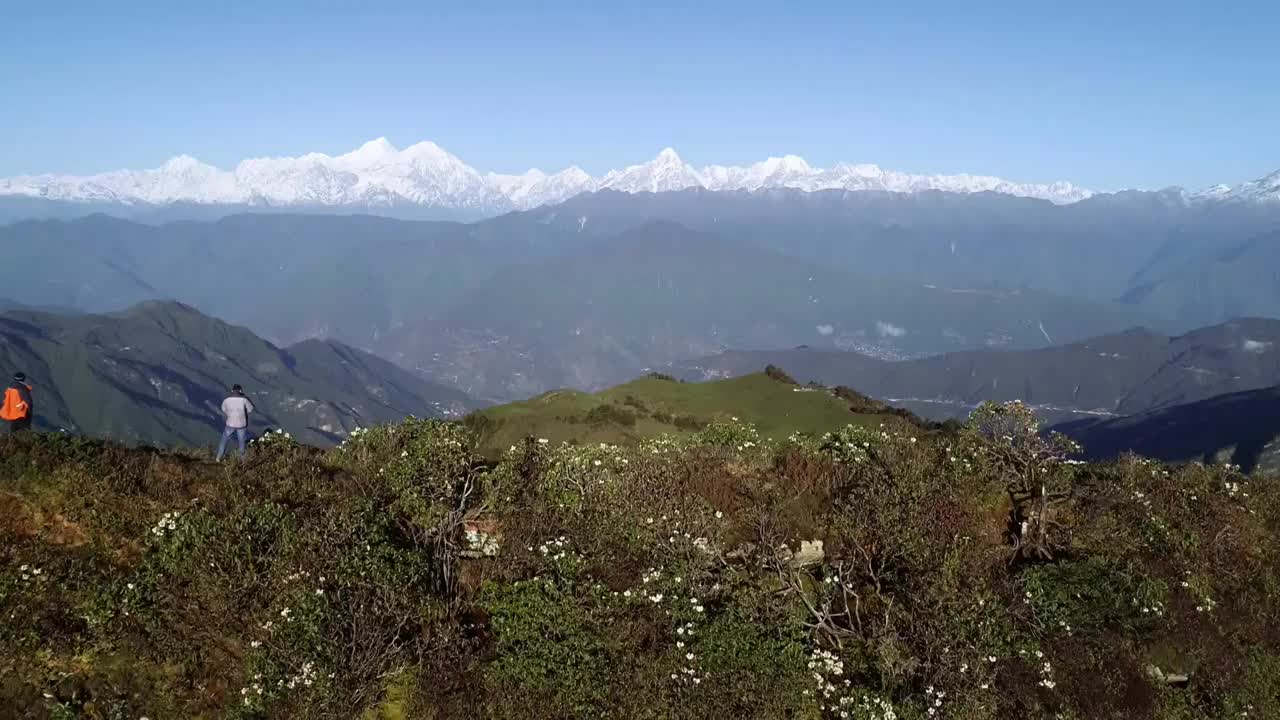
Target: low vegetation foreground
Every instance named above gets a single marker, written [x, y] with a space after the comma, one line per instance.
[876, 572]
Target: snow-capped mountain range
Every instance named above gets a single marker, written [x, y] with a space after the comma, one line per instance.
[379, 175]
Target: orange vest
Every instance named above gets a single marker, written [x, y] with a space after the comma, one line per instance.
[14, 407]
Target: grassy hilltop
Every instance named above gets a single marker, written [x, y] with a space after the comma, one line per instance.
[871, 572]
[656, 405]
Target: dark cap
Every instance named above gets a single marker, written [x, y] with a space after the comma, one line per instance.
[237, 389]
[20, 377]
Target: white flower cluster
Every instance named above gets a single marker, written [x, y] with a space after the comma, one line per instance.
[30, 572]
[167, 524]
[277, 437]
[1046, 675]
[873, 708]
[1148, 607]
[1155, 527]
[1235, 489]
[933, 700]
[663, 445]
[824, 665]
[835, 693]
[1204, 601]
[254, 689]
[555, 549]
[1142, 499]
[306, 677]
[690, 672]
[678, 534]
[1045, 668]
[854, 443]
[580, 471]
[354, 438]
[955, 455]
[836, 582]
[851, 444]
[560, 554]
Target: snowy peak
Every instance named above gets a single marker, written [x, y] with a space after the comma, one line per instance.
[665, 173]
[1263, 190]
[785, 164]
[184, 164]
[371, 151]
[668, 156]
[535, 188]
[378, 174]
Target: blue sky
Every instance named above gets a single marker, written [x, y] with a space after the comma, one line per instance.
[1108, 95]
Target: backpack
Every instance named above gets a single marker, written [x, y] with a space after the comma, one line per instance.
[14, 407]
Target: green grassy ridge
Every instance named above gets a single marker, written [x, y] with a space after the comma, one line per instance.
[314, 577]
[661, 406]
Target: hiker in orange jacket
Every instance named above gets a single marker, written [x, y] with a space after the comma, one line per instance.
[18, 408]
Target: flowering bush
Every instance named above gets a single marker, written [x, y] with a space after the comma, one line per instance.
[731, 433]
[1035, 468]
[273, 440]
[868, 573]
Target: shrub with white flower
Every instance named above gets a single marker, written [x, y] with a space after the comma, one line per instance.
[851, 444]
[357, 438]
[1200, 589]
[286, 647]
[732, 433]
[838, 697]
[277, 439]
[1045, 669]
[167, 524]
[1033, 467]
[30, 573]
[560, 558]
[574, 474]
[664, 445]
[427, 460]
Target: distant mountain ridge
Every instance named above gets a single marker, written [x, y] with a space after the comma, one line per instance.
[660, 293]
[156, 374]
[1241, 428]
[1119, 374]
[1099, 248]
[377, 175]
[513, 306]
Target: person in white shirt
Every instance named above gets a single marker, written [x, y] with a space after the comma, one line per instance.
[236, 408]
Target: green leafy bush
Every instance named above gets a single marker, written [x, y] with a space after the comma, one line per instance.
[606, 414]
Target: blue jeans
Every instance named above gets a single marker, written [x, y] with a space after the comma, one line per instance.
[226, 435]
